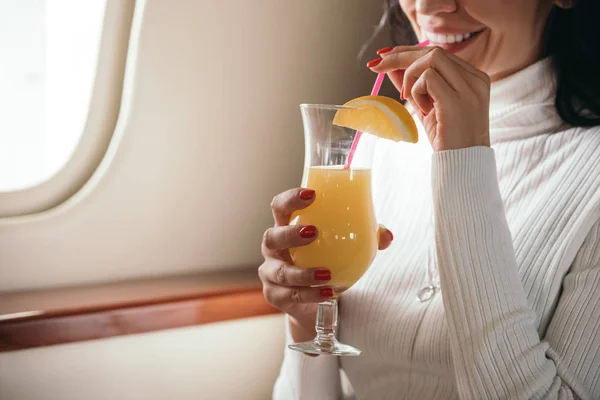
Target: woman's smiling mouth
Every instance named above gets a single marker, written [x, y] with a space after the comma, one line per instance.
[451, 42]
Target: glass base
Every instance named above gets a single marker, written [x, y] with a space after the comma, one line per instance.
[325, 343]
[326, 348]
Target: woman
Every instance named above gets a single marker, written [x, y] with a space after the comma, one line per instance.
[512, 115]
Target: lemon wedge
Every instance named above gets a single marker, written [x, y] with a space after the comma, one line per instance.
[380, 116]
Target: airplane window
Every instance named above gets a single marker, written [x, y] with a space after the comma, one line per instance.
[48, 57]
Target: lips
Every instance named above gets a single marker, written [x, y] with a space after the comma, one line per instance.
[452, 42]
[439, 38]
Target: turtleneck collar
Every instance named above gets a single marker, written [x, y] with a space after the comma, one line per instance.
[522, 104]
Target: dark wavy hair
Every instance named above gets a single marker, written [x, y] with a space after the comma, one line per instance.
[571, 39]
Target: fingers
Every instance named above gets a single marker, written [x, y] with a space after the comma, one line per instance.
[430, 88]
[435, 59]
[399, 58]
[284, 204]
[284, 298]
[424, 50]
[414, 61]
[280, 238]
[385, 237]
[403, 49]
[281, 273]
[479, 75]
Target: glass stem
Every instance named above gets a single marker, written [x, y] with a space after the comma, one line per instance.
[327, 321]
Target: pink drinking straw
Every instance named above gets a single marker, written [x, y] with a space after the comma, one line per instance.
[374, 92]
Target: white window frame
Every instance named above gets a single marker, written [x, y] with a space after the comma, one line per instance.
[100, 123]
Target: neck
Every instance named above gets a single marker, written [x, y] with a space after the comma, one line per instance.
[522, 104]
[500, 75]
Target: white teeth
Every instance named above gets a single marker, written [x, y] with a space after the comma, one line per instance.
[442, 39]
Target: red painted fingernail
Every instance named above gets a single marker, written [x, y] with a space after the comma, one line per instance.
[326, 292]
[307, 194]
[391, 235]
[374, 63]
[309, 231]
[322, 275]
[384, 50]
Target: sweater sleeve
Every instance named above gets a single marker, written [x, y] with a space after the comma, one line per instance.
[497, 352]
[304, 377]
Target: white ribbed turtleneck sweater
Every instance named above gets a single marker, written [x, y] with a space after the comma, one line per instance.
[517, 237]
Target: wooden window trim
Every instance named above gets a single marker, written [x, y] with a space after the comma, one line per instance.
[66, 315]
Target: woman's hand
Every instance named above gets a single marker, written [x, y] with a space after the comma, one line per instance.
[452, 95]
[289, 288]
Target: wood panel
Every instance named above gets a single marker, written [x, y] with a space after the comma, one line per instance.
[69, 315]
